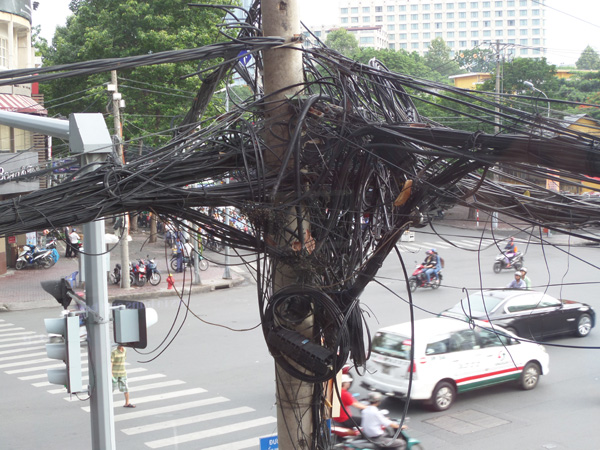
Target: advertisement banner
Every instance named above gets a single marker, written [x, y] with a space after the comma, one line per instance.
[19, 7]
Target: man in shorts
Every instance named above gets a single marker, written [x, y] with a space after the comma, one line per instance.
[119, 375]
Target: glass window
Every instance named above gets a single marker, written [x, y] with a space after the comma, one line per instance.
[427, 36]
[498, 4]
[487, 23]
[449, 15]
[401, 7]
[4, 53]
[462, 15]
[438, 25]
[535, 22]
[523, 32]
[462, 44]
[378, 18]
[366, 19]
[426, 26]
[402, 26]
[392, 345]
[402, 17]
[510, 3]
[439, 346]
[535, 31]
[486, 4]
[344, 11]
[474, 33]
[524, 51]
[535, 42]
[487, 338]
[523, 22]
[510, 13]
[535, 12]
[414, 26]
[438, 16]
[354, 20]
[462, 5]
[391, 27]
[499, 33]
[511, 32]
[367, 40]
[390, 8]
[426, 7]
[402, 36]
[438, 34]
[392, 46]
[366, 9]
[474, 15]
[378, 9]
[510, 23]
[498, 23]
[392, 37]
[414, 45]
[498, 13]
[414, 17]
[474, 5]
[449, 25]
[414, 7]
[354, 10]
[450, 44]
[487, 33]
[487, 14]
[450, 34]
[462, 34]
[344, 20]
[462, 24]
[522, 2]
[474, 24]
[403, 46]
[448, 6]
[462, 341]
[522, 12]
[414, 36]
[426, 16]
[390, 18]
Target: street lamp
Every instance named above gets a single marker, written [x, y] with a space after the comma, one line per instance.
[531, 86]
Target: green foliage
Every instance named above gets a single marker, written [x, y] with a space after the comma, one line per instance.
[156, 96]
[515, 73]
[411, 64]
[342, 41]
[438, 58]
[589, 60]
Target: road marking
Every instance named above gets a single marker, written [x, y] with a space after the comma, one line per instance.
[165, 409]
[182, 438]
[187, 420]
[24, 363]
[20, 333]
[21, 355]
[11, 329]
[168, 395]
[25, 343]
[21, 350]
[239, 445]
[35, 369]
[84, 377]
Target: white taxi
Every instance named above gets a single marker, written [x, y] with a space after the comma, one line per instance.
[447, 356]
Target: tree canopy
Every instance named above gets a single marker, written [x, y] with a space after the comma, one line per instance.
[342, 41]
[156, 96]
[438, 58]
[589, 60]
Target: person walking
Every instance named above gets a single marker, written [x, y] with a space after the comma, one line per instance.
[74, 241]
[525, 278]
[68, 249]
[179, 253]
[119, 374]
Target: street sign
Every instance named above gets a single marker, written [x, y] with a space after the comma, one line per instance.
[269, 443]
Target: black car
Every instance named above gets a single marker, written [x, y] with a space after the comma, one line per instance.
[526, 313]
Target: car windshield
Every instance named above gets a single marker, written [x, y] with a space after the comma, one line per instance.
[477, 305]
[392, 345]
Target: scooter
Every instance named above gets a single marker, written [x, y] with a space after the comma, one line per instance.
[188, 261]
[34, 257]
[152, 272]
[419, 279]
[138, 269]
[352, 439]
[516, 262]
[115, 275]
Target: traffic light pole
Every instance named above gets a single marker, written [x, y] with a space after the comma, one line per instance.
[89, 139]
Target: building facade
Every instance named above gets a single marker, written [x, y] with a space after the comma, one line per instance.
[19, 149]
[412, 24]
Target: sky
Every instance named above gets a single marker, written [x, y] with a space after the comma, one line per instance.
[566, 36]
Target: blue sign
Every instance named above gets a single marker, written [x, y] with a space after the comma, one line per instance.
[269, 443]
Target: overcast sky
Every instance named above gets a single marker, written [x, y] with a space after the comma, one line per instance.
[566, 36]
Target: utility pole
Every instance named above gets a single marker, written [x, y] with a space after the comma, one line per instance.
[282, 69]
[116, 105]
[227, 271]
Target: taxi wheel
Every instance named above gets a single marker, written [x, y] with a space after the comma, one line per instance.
[443, 396]
[530, 376]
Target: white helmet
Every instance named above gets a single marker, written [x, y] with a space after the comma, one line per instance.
[346, 378]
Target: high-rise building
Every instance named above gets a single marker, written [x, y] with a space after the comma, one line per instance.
[412, 24]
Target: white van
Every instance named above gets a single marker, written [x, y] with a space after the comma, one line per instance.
[450, 356]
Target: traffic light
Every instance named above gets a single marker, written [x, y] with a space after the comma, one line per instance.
[131, 323]
[68, 351]
[59, 290]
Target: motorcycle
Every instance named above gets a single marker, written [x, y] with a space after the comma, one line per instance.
[188, 261]
[152, 272]
[138, 270]
[419, 279]
[352, 439]
[35, 257]
[516, 262]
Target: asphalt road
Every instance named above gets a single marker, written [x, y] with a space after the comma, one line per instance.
[231, 371]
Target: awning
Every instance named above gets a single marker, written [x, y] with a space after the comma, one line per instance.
[20, 103]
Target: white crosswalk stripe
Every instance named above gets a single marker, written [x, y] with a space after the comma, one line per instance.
[4, 330]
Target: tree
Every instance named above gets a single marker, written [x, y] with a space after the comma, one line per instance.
[438, 58]
[589, 60]
[156, 96]
[476, 60]
[515, 73]
[342, 41]
[400, 61]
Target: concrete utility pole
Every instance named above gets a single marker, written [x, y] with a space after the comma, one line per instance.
[116, 105]
[282, 69]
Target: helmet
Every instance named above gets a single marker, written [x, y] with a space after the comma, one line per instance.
[429, 252]
[346, 378]
[524, 269]
[374, 397]
[433, 250]
[74, 229]
[518, 273]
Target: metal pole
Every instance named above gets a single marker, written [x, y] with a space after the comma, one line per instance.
[496, 120]
[227, 271]
[116, 100]
[195, 238]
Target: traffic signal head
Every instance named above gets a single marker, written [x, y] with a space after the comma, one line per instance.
[59, 290]
[131, 323]
[68, 351]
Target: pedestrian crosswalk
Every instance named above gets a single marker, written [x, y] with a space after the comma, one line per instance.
[169, 413]
[422, 244]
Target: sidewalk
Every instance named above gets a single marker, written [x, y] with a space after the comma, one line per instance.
[21, 289]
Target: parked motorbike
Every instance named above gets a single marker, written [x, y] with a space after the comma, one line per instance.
[115, 275]
[419, 279]
[34, 257]
[516, 262]
[138, 269]
[152, 272]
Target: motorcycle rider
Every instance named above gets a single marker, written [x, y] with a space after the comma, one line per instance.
[374, 422]
[432, 264]
[346, 419]
[525, 278]
[517, 283]
[509, 251]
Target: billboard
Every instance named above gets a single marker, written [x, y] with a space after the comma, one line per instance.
[18, 7]
[14, 165]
